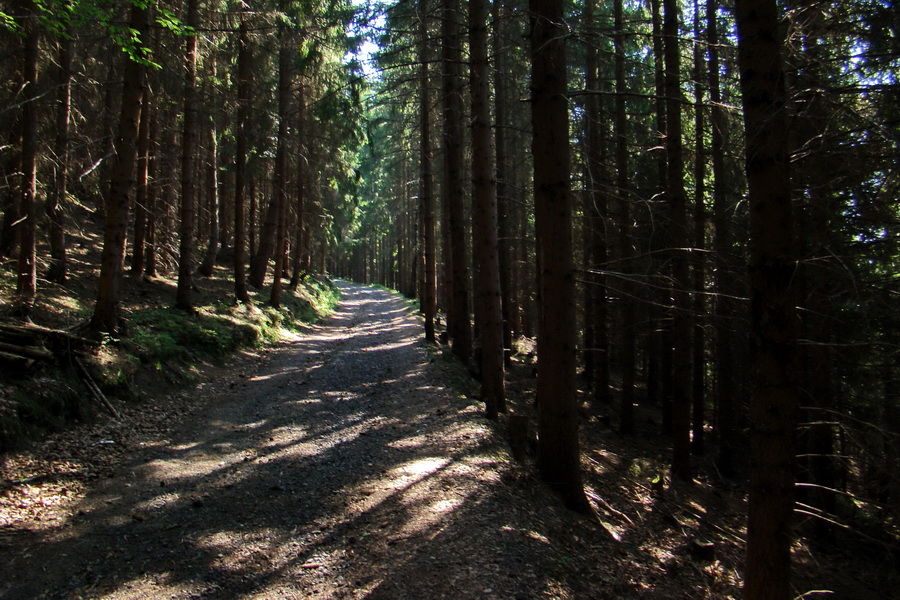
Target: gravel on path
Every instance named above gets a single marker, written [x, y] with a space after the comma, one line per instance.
[345, 466]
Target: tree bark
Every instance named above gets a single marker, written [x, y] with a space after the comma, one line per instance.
[772, 317]
[300, 257]
[142, 188]
[813, 179]
[681, 306]
[153, 201]
[501, 160]
[26, 282]
[493, 391]
[698, 363]
[596, 211]
[558, 454]
[212, 188]
[188, 182]
[426, 185]
[106, 310]
[459, 324]
[627, 340]
[58, 269]
[725, 367]
[659, 372]
[240, 168]
[279, 182]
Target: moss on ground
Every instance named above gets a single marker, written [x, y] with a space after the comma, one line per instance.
[157, 341]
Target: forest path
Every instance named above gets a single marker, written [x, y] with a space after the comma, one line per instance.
[344, 468]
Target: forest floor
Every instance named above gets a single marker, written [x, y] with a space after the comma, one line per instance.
[353, 461]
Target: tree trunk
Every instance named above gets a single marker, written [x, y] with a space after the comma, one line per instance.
[681, 305]
[659, 386]
[596, 212]
[268, 233]
[725, 366]
[188, 181]
[627, 340]
[106, 310]
[26, 282]
[426, 187]
[240, 168]
[773, 318]
[504, 202]
[212, 188]
[300, 255]
[559, 455]
[698, 375]
[485, 217]
[149, 246]
[813, 177]
[279, 183]
[141, 190]
[53, 207]
[459, 325]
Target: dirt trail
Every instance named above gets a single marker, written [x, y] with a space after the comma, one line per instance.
[343, 468]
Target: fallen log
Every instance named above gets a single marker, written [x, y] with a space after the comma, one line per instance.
[21, 362]
[35, 352]
[60, 340]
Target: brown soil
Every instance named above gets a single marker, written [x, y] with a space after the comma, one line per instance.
[351, 463]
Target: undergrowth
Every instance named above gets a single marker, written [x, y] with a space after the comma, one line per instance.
[156, 341]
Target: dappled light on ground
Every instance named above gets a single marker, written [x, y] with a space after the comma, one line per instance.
[345, 466]
[340, 470]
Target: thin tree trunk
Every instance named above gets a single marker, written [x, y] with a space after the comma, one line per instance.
[597, 308]
[459, 325]
[240, 169]
[698, 376]
[725, 366]
[188, 181]
[212, 188]
[149, 249]
[53, 207]
[774, 321]
[504, 202]
[11, 183]
[627, 340]
[285, 54]
[140, 197]
[681, 306]
[26, 282]
[493, 391]
[106, 310]
[300, 258]
[426, 189]
[813, 177]
[559, 455]
[659, 385]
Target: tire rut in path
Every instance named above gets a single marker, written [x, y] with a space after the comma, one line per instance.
[342, 469]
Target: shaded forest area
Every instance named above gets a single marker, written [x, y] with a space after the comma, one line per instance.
[690, 207]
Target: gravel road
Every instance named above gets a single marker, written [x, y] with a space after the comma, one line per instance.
[342, 466]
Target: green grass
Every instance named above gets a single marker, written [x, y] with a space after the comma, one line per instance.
[212, 332]
[157, 341]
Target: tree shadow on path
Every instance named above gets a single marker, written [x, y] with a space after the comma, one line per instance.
[343, 468]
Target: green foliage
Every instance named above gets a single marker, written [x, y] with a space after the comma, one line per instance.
[165, 340]
[7, 22]
[163, 335]
[60, 16]
[166, 334]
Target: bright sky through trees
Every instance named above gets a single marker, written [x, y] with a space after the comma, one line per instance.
[370, 20]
